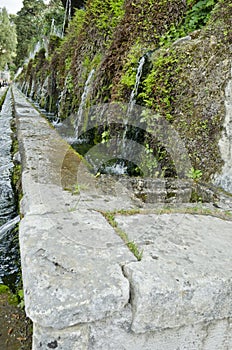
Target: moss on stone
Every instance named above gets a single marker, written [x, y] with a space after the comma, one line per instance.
[183, 81]
[187, 83]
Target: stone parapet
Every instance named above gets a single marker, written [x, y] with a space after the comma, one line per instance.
[84, 289]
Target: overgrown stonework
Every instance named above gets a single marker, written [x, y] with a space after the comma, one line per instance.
[111, 262]
[190, 79]
[183, 80]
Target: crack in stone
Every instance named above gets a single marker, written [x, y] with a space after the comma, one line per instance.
[130, 287]
[59, 267]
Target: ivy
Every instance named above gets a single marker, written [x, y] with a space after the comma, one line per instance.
[130, 68]
[75, 26]
[199, 15]
[196, 17]
[106, 14]
[159, 95]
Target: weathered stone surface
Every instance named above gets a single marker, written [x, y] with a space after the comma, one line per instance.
[75, 270]
[185, 274]
[115, 334]
[75, 338]
[84, 290]
[71, 257]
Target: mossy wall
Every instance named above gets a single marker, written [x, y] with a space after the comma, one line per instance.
[183, 80]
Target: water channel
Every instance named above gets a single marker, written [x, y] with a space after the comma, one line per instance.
[9, 248]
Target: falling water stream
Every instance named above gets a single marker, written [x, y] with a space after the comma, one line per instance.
[82, 106]
[134, 92]
[117, 166]
[9, 252]
[67, 15]
[120, 167]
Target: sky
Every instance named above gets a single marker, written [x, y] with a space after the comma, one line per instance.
[12, 6]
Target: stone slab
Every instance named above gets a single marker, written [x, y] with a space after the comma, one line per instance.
[71, 257]
[48, 160]
[84, 290]
[74, 338]
[114, 333]
[185, 273]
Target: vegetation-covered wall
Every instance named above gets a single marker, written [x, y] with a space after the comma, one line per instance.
[187, 45]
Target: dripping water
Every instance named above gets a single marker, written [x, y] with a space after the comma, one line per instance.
[132, 100]
[83, 102]
[52, 29]
[224, 179]
[67, 15]
[120, 166]
[134, 92]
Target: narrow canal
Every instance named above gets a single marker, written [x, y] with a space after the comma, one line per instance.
[15, 327]
[9, 249]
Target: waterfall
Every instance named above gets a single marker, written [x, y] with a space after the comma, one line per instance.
[134, 92]
[67, 14]
[123, 151]
[36, 49]
[52, 29]
[9, 251]
[83, 102]
[32, 92]
[132, 102]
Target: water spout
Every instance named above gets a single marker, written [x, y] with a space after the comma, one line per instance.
[52, 30]
[134, 92]
[36, 49]
[83, 102]
[67, 14]
[132, 100]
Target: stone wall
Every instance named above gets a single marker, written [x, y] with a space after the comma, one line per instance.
[84, 288]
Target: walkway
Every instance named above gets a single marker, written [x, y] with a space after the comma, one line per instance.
[84, 287]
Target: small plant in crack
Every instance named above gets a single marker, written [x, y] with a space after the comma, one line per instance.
[134, 249]
[110, 217]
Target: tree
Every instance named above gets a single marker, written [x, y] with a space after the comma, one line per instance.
[8, 39]
[29, 27]
[53, 18]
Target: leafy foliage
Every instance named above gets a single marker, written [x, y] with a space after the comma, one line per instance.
[195, 174]
[107, 14]
[53, 17]
[8, 39]
[111, 37]
[29, 24]
[196, 17]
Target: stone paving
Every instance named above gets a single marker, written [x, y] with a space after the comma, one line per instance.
[84, 288]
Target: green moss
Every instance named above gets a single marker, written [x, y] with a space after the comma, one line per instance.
[197, 16]
[110, 217]
[130, 68]
[15, 299]
[198, 209]
[17, 169]
[106, 15]
[4, 289]
[179, 81]
[181, 86]
[16, 181]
